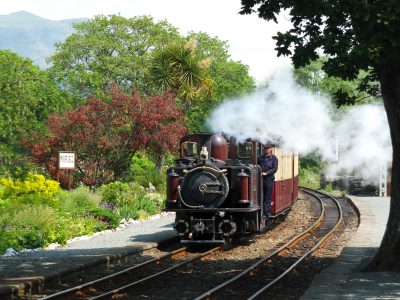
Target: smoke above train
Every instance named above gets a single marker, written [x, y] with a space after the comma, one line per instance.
[357, 139]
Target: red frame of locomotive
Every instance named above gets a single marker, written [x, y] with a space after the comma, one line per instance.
[236, 200]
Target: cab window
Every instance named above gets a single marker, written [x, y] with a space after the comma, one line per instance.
[245, 150]
[189, 149]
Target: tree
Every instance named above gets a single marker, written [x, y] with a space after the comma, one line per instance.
[27, 96]
[230, 78]
[107, 50]
[342, 91]
[177, 67]
[355, 36]
[106, 134]
[201, 73]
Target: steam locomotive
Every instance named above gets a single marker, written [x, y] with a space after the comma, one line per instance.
[216, 187]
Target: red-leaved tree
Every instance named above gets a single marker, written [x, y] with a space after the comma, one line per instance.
[106, 134]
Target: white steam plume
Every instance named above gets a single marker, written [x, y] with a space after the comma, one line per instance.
[297, 119]
[364, 141]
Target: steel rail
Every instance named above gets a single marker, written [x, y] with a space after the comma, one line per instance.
[309, 252]
[130, 285]
[62, 294]
[278, 251]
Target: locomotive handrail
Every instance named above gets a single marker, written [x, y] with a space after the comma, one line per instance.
[181, 198]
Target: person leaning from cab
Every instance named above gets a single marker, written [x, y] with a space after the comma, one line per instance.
[269, 165]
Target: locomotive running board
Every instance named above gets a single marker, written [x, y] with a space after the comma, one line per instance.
[218, 209]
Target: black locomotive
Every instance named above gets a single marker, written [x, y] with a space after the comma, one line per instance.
[215, 188]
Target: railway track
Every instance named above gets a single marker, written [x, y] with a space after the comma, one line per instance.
[257, 279]
[118, 283]
[250, 283]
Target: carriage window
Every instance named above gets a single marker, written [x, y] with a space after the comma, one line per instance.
[259, 149]
[245, 150]
[189, 149]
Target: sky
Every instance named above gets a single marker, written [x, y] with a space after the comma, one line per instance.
[249, 38]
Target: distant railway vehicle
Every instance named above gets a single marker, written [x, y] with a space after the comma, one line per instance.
[216, 187]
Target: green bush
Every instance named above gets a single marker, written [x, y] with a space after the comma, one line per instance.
[308, 178]
[144, 171]
[309, 170]
[128, 212]
[119, 193]
[107, 217]
[140, 162]
[36, 219]
[130, 200]
[79, 201]
[31, 226]
[157, 198]
[34, 225]
[113, 192]
[153, 176]
[33, 184]
[83, 203]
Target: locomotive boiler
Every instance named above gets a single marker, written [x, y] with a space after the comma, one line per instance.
[215, 187]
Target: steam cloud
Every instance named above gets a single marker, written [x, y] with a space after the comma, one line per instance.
[297, 119]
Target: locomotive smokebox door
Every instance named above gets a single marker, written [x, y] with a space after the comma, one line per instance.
[204, 187]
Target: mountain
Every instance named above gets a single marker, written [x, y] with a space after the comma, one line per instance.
[33, 36]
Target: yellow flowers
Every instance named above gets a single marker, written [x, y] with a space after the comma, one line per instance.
[33, 184]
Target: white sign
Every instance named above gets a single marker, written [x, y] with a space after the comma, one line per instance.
[66, 160]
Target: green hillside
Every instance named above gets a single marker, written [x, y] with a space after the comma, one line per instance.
[32, 36]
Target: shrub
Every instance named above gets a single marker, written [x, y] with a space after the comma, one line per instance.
[79, 200]
[107, 217]
[83, 203]
[140, 206]
[113, 192]
[128, 212]
[147, 204]
[32, 184]
[152, 176]
[144, 171]
[308, 178]
[156, 198]
[30, 226]
[140, 162]
[119, 193]
[107, 133]
[309, 171]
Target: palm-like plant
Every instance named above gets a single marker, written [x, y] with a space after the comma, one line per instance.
[177, 68]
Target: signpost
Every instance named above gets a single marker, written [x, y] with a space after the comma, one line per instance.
[66, 161]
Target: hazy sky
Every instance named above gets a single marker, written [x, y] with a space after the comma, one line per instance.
[249, 37]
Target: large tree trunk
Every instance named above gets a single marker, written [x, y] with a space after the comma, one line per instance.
[388, 256]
